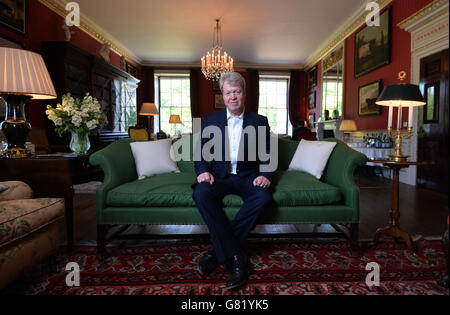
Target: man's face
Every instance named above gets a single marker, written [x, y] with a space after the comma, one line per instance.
[233, 97]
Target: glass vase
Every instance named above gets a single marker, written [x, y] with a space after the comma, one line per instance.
[79, 143]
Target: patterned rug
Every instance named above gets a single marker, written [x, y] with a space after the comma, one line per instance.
[281, 268]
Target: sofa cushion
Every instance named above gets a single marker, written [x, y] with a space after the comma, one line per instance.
[174, 190]
[153, 157]
[19, 218]
[294, 188]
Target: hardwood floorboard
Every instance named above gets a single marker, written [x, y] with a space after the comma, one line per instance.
[423, 212]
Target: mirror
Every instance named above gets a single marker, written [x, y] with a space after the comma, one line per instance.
[333, 85]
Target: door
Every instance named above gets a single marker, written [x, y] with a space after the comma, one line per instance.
[433, 122]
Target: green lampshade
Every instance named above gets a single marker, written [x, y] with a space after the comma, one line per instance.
[404, 94]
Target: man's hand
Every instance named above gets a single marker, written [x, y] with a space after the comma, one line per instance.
[205, 177]
[261, 181]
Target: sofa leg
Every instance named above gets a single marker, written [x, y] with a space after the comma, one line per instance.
[354, 240]
[102, 230]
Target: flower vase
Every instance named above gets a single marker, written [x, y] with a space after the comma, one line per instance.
[80, 144]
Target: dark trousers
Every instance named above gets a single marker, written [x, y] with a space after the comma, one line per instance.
[228, 237]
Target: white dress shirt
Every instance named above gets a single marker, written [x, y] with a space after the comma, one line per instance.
[234, 137]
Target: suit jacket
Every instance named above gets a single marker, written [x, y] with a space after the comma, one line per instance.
[246, 167]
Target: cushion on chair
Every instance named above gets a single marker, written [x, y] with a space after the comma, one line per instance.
[16, 190]
[19, 218]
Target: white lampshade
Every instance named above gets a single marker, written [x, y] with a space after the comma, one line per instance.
[23, 72]
[348, 125]
[148, 109]
[174, 119]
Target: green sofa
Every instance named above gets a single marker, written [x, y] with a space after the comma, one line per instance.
[166, 199]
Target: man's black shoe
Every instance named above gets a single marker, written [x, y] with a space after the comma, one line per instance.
[207, 263]
[240, 270]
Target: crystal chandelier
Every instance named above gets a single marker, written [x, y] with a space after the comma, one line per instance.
[215, 63]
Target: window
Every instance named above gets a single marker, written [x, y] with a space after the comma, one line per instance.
[127, 115]
[173, 98]
[273, 102]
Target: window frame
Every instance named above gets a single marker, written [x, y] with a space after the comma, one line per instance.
[282, 76]
[172, 74]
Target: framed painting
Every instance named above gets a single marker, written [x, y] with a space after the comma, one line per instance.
[312, 78]
[311, 119]
[312, 100]
[368, 95]
[373, 46]
[14, 15]
[218, 101]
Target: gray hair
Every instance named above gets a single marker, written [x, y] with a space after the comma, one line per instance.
[233, 78]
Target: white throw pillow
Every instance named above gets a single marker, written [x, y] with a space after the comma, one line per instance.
[153, 158]
[312, 157]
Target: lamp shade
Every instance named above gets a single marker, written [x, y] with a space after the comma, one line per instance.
[148, 109]
[348, 125]
[174, 119]
[401, 94]
[23, 72]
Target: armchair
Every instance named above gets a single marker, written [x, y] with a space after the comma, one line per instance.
[29, 229]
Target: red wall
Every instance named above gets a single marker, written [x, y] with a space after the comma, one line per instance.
[45, 25]
[400, 60]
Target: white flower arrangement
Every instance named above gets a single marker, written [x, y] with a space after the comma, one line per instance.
[76, 115]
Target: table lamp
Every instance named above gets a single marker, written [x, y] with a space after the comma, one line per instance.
[347, 127]
[400, 96]
[175, 119]
[23, 76]
[149, 110]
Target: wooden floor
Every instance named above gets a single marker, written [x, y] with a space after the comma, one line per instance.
[423, 212]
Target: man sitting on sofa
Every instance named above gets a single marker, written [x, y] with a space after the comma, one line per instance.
[237, 174]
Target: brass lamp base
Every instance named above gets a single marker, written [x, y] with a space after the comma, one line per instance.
[398, 158]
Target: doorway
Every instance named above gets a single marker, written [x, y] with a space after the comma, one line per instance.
[433, 139]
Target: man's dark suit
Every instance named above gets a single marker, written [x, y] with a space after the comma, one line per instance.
[229, 237]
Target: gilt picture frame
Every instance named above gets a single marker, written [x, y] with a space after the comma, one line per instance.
[373, 46]
[368, 95]
[312, 100]
[312, 78]
[218, 101]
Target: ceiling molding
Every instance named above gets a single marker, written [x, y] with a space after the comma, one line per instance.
[93, 30]
[434, 10]
[342, 33]
[237, 66]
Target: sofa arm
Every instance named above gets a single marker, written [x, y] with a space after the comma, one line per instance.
[340, 171]
[16, 191]
[117, 163]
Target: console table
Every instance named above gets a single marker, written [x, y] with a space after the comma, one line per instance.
[49, 176]
[393, 229]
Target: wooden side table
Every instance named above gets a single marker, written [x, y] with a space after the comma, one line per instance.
[49, 176]
[393, 229]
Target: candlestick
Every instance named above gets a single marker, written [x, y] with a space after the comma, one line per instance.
[399, 117]
[391, 112]
[410, 116]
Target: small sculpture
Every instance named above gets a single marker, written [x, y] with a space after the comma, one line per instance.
[123, 63]
[67, 32]
[104, 52]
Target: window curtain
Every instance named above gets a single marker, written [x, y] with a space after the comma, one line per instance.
[194, 79]
[147, 94]
[252, 102]
[294, 98]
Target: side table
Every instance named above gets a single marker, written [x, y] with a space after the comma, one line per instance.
[393, 229]
[49, 176]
